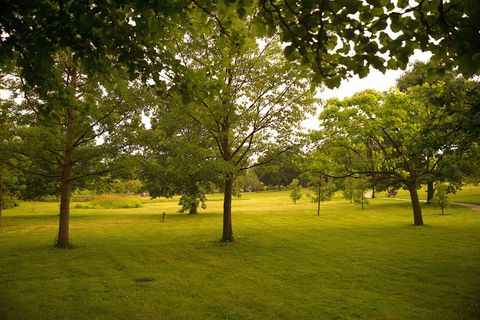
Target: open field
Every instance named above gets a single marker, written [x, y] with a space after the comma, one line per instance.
[287, 262]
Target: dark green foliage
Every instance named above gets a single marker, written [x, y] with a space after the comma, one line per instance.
[277, 173]
[176, 158]
[338, 39]
[100, 36]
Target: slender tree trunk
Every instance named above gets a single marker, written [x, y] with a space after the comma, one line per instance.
[1, 193]
[227, 211]
[66, 184]
[318, 200]
[417, 210]
[373, 192]
[430, 191]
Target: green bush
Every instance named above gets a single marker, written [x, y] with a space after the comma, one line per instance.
[8, 203]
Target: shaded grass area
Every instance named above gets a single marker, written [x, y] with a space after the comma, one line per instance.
[287, 262]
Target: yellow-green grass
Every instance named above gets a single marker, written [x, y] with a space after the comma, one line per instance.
[287, 262]
[110, 202]
[468, 194]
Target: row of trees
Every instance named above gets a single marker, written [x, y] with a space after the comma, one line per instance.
[223, 93]
[223, 104]
[423, 132]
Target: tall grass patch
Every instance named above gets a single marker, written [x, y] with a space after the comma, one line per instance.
[110, 202]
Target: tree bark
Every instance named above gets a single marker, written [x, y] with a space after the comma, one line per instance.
[318, 204]
[194, 208]
[227, 211]
[1, 193]
[373, 192]
[430, 191]
[417, 210]
[63, 240]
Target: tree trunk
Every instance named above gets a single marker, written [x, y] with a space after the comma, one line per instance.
[318, 203]
[430, 191]
[66, 184]
[194, 208]
[373, 192]
[417, 210]
[1, 193]
[227, 211]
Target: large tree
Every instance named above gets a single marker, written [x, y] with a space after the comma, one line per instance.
[6, 139]
[393, 136]
[441, 89]
[246, 97]
[66, 136]
[176, 158]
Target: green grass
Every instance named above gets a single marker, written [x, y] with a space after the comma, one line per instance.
[110, 202]
[287, 262]
[468, 194]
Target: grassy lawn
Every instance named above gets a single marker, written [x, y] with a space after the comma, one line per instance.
[287, 263]
[468, 194]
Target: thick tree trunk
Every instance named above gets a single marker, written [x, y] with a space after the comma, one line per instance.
[227, 211]
[430, 192]
[1, 193]
[66, 184]
[417, 210]
[194, 208]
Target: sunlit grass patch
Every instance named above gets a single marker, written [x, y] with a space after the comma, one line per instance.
[286, 263]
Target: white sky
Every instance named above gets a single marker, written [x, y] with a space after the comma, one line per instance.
[375, 80]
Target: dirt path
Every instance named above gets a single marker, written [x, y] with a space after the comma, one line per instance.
[473, 206]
